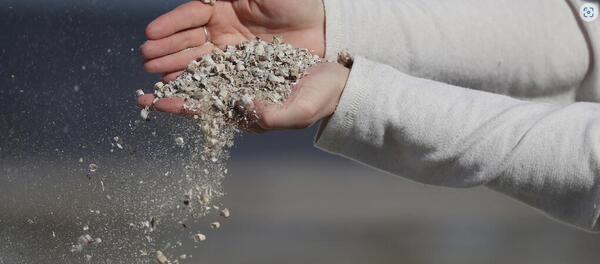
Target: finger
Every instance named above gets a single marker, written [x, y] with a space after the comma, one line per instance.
[167, 105]
[153, 49]
[172, 105]
[178, 61]
[255, 129]
[171, 76]
[189, 15]
[145, 100]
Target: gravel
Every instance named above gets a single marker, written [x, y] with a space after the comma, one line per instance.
[219, 90]
[220, 87]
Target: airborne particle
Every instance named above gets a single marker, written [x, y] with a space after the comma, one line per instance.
[215, 225]
[199, 237]
[225, 213]
[179, 141]
[161, 258]
[93, 167]
[145, 113]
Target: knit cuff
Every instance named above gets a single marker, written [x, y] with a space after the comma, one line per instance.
[335, 132]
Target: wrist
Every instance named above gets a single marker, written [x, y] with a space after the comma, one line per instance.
[341, 78]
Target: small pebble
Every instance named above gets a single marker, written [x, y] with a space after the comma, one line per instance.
[215, 225]
[199, 237]
[179, 141]
[145, 113]
[246, 100]
[118, 142]
[76, 248]
[159, 85]
[85, 240]
[225, 213]
[161, 258]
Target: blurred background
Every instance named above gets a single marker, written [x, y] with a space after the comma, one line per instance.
[68, 72]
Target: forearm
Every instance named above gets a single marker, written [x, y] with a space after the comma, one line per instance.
[434, 133]
[512, 47]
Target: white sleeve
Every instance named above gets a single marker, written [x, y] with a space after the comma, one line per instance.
[520, 48]
[545, 155]
[589, 90]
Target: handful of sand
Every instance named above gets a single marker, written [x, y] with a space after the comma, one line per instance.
[218, 90]
[218, 87]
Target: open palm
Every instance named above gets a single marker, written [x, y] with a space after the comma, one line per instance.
[315, 97]
[178, 37]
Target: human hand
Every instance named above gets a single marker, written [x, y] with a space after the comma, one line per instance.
[315, 97]
[178, 37]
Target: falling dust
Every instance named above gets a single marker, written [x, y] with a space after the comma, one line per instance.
[218, 90]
